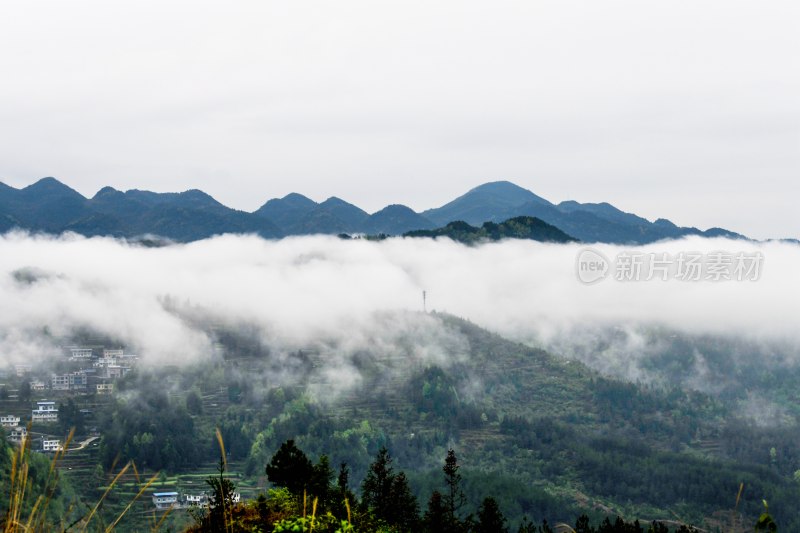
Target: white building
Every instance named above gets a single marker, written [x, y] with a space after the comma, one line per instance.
[51, 445]
[45, 412]
[21, 370]
[9, 421]
[112, 354]
[78, 380]
[165, 500]
[197, 500]
[60, 382]
[80, 354]
[104, 362]
[104, 388]
[37, 385]
[72, 381]
[17, 435]
[116, 371]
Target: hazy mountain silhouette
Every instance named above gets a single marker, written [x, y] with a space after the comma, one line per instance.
[50, 206]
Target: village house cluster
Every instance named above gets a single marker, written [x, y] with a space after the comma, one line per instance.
[97, 373]
[175, 500]
[91, 371]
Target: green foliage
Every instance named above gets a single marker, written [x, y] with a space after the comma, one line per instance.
[387, 496]
[765, 521]
[221, 503]
[290, 468]
[522, 227]
[194, 405]
[324, 524]
[154, 431]
[490, 519]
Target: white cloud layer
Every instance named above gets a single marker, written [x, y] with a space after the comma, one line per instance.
[356, 295]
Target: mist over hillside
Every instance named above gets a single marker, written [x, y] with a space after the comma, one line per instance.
[299, 291]
[549, 384]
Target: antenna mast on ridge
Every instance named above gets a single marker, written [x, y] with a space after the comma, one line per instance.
[424, 301]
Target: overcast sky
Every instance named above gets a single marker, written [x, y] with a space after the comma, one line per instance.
[688, 110]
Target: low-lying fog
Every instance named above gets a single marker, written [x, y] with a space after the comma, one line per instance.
[302, 291]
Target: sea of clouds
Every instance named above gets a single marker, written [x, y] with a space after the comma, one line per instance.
[364, 295]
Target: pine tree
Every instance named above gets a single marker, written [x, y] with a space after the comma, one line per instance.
[290, 468]
[377, 486]
[454, 497]
[387, 494]
[220, 503]
[319, 486]
[490, 519]
[403, 510]
[435, 520]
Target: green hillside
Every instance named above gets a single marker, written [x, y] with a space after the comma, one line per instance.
[548, 438]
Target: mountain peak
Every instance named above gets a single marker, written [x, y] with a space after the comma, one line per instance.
[296, 199]
[503, 187]
[46, 183]
[493, 201]
[50, 186]
[396, 219]
[333, 200]
[106, 191]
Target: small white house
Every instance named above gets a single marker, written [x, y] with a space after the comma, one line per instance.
[107, 354]
[104, 388]
[116, 371]
[104, 362]
[80, 354]
[165, 500]
[51, 445]
[45, 412]
[37, 385]
[17, 435]
[9, 421]
[196, 500]
[60, 382]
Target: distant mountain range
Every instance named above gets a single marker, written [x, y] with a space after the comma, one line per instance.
[50, 206]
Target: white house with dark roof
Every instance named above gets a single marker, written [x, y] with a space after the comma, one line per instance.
[17, 435]
[51, 445]
[80, 354]
[165, 500]
[9, 421]
[45, 412]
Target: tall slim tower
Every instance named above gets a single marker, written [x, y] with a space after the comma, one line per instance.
[424, 301]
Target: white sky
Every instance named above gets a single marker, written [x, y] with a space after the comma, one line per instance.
[688, 110]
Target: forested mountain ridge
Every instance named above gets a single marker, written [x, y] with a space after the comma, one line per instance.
[547, 437]
[530, 228]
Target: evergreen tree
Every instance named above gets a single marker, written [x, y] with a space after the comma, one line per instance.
[220, 503]
[582, 525]
[454, 496]
[526, 526]
[377, 486]
[435, 520]
[404, 510]
[387, 494]
[343, 492]
[490, 519]
[290, 468]
[320, 483]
